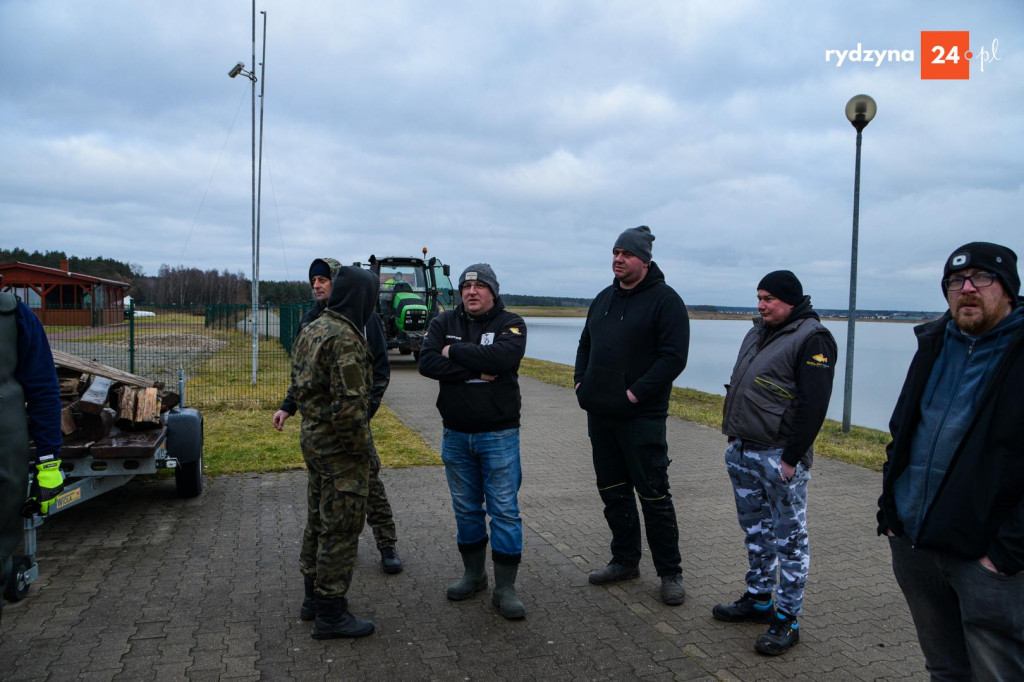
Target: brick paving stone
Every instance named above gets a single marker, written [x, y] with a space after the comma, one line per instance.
[139, 584]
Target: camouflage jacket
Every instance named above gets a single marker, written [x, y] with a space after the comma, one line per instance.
[331, 381]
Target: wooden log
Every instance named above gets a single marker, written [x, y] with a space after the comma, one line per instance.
[147, 406]
[138, 406]
[67, 421]
[96, 426]
[95, 397]
[69, 386]
[62, 359]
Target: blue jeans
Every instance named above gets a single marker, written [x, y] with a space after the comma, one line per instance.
[484, 467]
[969, 620]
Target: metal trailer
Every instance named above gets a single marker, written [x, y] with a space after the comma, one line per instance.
[177, 445]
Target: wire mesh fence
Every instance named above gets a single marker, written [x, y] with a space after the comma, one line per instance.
[210, 347]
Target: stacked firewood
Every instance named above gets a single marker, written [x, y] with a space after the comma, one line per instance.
[109, 413]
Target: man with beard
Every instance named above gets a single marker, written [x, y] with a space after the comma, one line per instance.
[952, 502]
[632, 348]
[775, 404]
[378, 510]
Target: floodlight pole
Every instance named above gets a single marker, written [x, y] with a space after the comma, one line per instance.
[255, 234]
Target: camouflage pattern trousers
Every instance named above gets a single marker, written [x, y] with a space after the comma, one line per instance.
[378, 509]
[773, 515]
[336, 510]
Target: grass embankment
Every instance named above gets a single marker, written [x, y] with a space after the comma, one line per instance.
[242, 439]
[862, 446]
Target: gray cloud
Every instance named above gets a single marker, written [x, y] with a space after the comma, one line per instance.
[526, 134]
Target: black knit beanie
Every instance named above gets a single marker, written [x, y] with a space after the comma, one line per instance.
[999, 260]
[319, 268]
[783, 285]
[638, 241]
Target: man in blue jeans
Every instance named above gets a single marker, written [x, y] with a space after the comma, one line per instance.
[474, 352]
[952, 501]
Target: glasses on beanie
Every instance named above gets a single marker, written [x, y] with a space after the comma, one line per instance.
[977, 280]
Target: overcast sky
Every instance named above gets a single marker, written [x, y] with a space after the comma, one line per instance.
[526, 134]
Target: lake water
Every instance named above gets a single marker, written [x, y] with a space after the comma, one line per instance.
[883, 354]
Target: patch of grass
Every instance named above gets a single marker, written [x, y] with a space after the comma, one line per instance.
[245, 440]
[214, 374]
[861, 446]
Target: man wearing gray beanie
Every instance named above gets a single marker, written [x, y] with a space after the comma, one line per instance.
[952, 503]
[474, 353]
[633, 346]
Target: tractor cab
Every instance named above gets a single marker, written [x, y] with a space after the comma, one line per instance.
[412, 292]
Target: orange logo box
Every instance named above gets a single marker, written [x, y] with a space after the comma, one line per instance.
[945, 55]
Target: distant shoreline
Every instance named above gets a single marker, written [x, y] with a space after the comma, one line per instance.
[568, 311]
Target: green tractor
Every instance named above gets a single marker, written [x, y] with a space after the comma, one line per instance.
[412, 292]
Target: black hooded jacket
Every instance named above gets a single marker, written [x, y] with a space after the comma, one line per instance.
[492, 343]
[636, 339]
[375, 342]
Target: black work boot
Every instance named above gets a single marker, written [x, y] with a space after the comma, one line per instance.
[475, 577]
[782, 634]
[750, 608]
[390, 562]
[504, 596]
[613, 573]
[334, 620]
[308, 610]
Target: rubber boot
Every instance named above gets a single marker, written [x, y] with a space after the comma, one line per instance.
[504, 596]
[334, 620]
[475, 577]
[308, 610]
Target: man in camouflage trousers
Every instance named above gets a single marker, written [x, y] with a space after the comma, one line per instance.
[378, 510]
[331, 385]
[775, 404]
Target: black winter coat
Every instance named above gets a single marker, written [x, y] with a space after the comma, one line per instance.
[979, 509]
[493, 343]
[636, 339]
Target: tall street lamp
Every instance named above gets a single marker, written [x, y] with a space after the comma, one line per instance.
[859, 110]
[239, 69]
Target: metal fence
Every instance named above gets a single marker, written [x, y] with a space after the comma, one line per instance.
[210, 346]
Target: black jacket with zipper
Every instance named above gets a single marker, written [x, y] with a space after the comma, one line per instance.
[493, 343]
[636, 339]
[979, 508]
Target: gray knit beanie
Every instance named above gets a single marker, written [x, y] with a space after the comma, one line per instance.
[638, 241]
[480, 272]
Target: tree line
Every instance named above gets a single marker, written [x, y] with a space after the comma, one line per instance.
[177, 285]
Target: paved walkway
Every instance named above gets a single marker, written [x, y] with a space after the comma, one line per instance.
[139, 585]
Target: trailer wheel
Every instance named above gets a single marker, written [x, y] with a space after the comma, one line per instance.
[185, 444]
[17, 586]
[188, 478]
